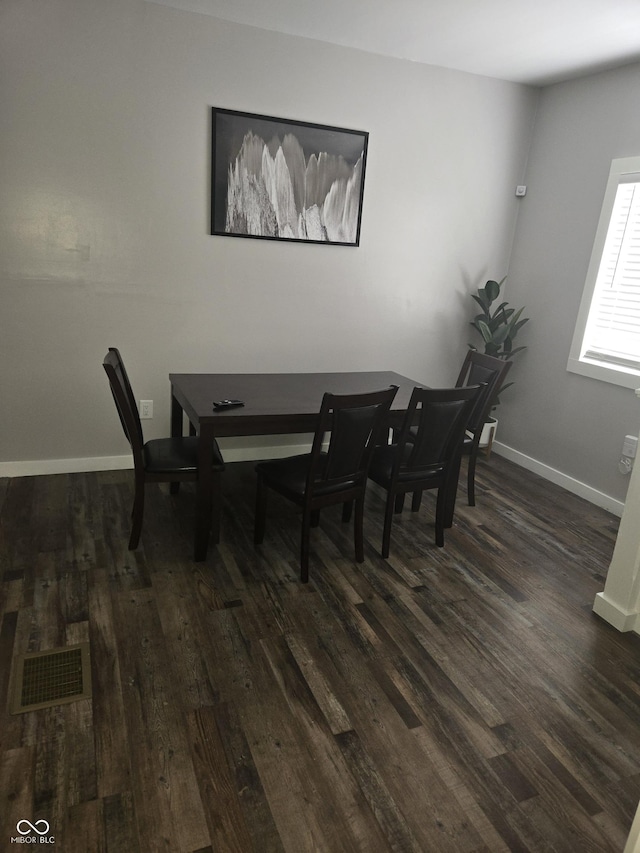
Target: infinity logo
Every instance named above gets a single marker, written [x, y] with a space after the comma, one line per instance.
[32, 827]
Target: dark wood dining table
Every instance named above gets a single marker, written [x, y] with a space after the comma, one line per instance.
[274, 404]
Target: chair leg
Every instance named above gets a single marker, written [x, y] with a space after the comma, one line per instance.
[261, 512]
[441, 510]
[399, 503]
[137, 514]
[304, 545]
[347, 508]
[450, 493]
[386, 531]
[358, 529]
[471, 478]
[216, 506]
[416, 501]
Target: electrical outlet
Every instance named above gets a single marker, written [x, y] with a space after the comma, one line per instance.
[146, 408]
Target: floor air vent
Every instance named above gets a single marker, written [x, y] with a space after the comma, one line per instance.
[44, 679]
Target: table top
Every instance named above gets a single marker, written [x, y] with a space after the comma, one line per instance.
[275, 403]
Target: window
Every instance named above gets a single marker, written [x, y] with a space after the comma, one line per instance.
[606, 342]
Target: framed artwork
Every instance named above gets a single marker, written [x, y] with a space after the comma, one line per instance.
[278, 179]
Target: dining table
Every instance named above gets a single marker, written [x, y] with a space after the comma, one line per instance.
[272, 404]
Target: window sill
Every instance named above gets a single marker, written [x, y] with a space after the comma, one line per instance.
[613, 375]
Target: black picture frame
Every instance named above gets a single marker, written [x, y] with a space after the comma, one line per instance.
[281, 179]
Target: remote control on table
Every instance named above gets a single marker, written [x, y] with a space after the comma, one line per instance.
[227, 404]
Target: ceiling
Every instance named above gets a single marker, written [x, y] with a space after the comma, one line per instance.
[525, 41]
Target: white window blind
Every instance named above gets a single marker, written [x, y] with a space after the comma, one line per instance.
[613, 330]
[606, 340]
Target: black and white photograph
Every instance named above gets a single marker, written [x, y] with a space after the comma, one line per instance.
[282, 179]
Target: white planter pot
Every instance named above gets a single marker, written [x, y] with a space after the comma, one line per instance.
[488, 432]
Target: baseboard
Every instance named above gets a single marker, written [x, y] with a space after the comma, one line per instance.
[572, 485]
[39, 467]
[622, 620]
[231, 449]
[241, 450]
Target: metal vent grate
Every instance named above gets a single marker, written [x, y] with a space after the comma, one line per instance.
[44, 679]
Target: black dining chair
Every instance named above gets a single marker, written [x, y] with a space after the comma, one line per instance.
[488, 371]
[478, 368]
[338, 475]
[160, 460]
[426, 454]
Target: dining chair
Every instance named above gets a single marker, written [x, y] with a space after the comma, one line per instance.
[426, 454]
[159, 460]
[478, 368]
[488, 371]
[338, 475]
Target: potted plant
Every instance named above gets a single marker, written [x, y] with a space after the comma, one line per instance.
[498, 328]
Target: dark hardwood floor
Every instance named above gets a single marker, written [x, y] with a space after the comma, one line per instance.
[458, 699]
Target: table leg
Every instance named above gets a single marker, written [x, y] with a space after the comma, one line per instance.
[204, 491]
[176, 417]
[176, 432]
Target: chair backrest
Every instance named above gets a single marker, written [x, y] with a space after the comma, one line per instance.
[435, 423]
[478, 368]
[355, 422]
[125, 401]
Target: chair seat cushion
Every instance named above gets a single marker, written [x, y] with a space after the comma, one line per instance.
[163, 455]
[289, 475]
[384, 459]
[467, 440]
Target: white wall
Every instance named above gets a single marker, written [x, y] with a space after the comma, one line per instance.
[571, 423]
[104, 180]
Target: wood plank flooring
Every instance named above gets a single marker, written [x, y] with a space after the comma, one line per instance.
[463, 699]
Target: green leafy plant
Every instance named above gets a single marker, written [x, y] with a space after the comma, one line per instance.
[498, 326]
